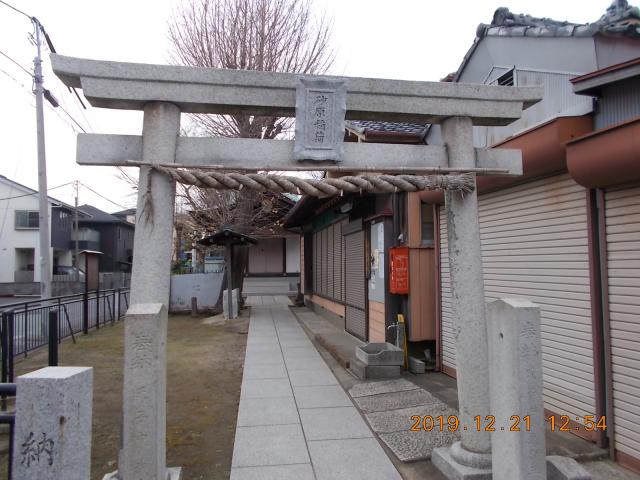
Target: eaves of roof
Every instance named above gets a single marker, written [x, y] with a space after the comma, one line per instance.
[25, 189]
[591, 83]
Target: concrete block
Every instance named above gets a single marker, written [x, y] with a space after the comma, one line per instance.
[412, 446]
[416, 365]
[515, 363]
[295, 364]
[387, 386]
[341, 422]
[357, 368]
[235, 293]
[265, 388]
[395, 400]
[307, 378]
[173, 473]
[269, 445]
[400, 420]
[277, 472]
[361, 458]
[321, 397]
[267, 411]
[565, 468]
[264, 371]
[53, 424]
[380, 354]
[270, 358]
[375, 372]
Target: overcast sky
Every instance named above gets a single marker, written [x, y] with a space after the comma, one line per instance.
[400, 39]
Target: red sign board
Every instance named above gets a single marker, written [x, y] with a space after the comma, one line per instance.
[399, 266]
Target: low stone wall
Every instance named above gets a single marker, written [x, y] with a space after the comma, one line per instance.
[204, 286]
[59, 289]
[333, 307]
[19, 288]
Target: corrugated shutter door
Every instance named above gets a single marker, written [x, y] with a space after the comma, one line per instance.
[316, 264]
[622, 209]
[355, 316]
[330, 264]
[535, 245]
[337, 261]
[324, 261]
[342, 264]
[448, 339]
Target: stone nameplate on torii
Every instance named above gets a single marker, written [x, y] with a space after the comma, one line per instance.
[320, 110]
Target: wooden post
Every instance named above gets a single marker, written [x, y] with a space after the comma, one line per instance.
[229, 260]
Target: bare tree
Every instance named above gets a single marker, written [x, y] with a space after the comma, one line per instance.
[264, 35]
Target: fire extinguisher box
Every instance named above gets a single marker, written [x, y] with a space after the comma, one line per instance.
[399, 266]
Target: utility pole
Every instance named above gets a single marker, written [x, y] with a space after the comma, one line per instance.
[76, 261]
[45, 241]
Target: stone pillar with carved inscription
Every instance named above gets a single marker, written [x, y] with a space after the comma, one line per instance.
[52, 438]
[143, 453]
[471, 457]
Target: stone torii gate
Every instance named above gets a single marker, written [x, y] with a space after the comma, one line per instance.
[164, 92]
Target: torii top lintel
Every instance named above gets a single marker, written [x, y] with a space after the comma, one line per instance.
[130, 86]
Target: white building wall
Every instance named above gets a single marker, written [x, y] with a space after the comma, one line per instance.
[293, 255]
[10, 238]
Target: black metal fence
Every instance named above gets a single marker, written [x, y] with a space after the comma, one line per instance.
[8, 390]
[25, 325]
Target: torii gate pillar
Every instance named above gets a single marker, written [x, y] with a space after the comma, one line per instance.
[470, 458]
[143, 453]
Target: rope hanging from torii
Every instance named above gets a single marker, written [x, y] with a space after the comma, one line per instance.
[325, 187]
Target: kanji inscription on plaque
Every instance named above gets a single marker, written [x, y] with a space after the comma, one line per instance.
[320, 111]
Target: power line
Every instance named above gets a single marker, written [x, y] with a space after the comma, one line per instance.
[34, 193]
[48, 104]
[72, 119]
[16, 63]
[103, 197]
[17, 10]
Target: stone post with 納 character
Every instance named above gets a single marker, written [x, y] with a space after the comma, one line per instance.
[52, 438]
[515, 370]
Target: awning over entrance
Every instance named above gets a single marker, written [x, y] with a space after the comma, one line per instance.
[227, 236]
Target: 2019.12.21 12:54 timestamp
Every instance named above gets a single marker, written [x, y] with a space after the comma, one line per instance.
[563, 423]
[516, 423]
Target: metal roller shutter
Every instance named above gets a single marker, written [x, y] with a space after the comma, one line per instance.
[323, 261]
[330, 262]
[447, 335]
[337, 261]
[342, 264]
[622, 213]
[315, 262]
[355, 313]
[535, 245]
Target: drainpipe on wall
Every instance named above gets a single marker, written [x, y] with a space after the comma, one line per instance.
[606, 330]
[600, 316]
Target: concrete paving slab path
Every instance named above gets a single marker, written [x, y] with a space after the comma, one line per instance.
[295, 421]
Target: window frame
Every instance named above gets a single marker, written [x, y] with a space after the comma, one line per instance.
[28, 215]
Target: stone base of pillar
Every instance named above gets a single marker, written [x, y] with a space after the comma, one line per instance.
[478, 465]
[565, 468]
[173, 473]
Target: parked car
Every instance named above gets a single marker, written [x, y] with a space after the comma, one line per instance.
[68, 270]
